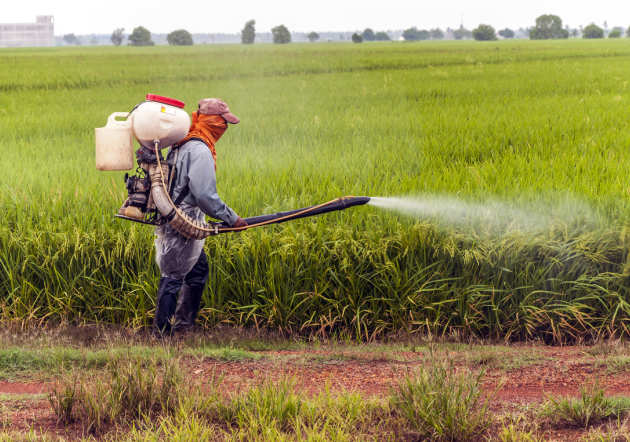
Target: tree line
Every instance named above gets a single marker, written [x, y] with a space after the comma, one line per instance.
[547, 26]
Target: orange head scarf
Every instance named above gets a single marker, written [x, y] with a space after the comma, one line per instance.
[207, 128]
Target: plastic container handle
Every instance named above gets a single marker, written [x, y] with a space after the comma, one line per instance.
[112, 121]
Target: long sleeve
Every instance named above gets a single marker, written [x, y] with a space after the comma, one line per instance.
[202, 184]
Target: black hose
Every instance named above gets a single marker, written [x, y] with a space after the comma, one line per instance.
[280, 217]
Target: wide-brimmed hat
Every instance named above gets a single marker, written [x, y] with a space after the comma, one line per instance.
[216, 106]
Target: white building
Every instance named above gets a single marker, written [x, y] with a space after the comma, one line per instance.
[40, 33]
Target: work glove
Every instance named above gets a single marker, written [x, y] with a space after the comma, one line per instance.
[240, 222]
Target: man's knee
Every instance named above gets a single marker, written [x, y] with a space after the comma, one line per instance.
[198, 276]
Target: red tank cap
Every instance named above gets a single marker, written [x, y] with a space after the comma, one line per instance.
[165, 100]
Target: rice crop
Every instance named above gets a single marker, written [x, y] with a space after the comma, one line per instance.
[529, 124]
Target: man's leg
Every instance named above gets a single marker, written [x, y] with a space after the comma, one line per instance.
[189, 299]
[166, 301]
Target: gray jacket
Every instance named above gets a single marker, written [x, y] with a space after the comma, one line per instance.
[195, 169]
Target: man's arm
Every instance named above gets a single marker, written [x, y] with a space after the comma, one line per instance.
[202, 184]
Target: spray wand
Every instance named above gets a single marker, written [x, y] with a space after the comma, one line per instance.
[257, 221]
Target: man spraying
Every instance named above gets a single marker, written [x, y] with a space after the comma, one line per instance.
[182, 261]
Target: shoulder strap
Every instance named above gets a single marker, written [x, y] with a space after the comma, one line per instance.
[182, 195]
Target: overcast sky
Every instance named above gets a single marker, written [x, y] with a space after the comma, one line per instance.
[210, 16]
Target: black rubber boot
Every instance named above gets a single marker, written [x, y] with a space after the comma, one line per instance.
[190, 296]
[166, 302]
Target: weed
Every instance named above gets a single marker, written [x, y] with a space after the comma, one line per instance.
[224, 354]
[443, 404]
[591, 408]
[129, 390]
[63, 399]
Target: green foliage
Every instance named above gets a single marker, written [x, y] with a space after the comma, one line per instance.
[442, 404]
[591, 408]
[248, 33]
[617, 32]
[368, 35]
[356, 38]
[71, 39]
[382, 36]
[414, 34]
[506, 33]
[484, 33]
[140, 36]
[130, 390]
[62, 399]
[436, 34]
[547, 27]
[462, 34]
[118, 35]
[312, 36]
[281, 34]
[592, 31]
[180, 37]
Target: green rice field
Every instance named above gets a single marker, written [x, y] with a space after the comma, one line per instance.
[541, 127]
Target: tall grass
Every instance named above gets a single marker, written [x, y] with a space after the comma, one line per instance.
[524, 122]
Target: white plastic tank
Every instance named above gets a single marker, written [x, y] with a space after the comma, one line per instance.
[160, 119]
[114, 144]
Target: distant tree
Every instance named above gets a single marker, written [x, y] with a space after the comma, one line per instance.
[484, 33]
[248, 33]
[547, 27]
[180, 37]
[368, 35]
[436, 34]
[574, 32]
[593, 31]
[414, 34]
[312, 36]
[356, 38]
[506, 33]
[616, 32]
[281, 34]
[411, 34]
[118, 36]
[71, 39]
[382, 36]
[628, 32]
[140, 36]
[462, 33]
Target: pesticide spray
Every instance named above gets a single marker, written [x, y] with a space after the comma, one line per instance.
[491, 216]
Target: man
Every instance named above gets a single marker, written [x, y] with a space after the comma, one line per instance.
[183, 263]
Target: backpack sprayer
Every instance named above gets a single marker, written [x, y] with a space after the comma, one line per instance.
[157, 123]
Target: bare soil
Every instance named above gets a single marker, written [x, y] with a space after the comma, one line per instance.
[560, 371]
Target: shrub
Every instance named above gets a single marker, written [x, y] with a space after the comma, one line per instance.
[442, 404]
[593, 31]
[484, 33]
[180, 37]
[591, 408]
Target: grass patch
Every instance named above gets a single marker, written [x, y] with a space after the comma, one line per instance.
[224, 354]
[442, 404]
[18, 362]
[22, 397]
[129, 390]
[593, 407]
[503, 358]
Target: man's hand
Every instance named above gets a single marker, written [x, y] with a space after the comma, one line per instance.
[240, 222]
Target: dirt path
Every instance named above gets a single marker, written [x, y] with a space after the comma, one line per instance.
[557, 372]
